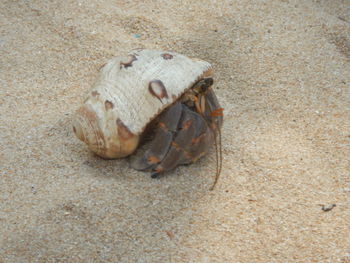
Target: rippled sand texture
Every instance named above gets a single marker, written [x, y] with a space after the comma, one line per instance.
[283, 77]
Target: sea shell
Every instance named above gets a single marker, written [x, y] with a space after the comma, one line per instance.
[129, 92]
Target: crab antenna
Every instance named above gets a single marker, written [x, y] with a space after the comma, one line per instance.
[218, 150]
[217, 140]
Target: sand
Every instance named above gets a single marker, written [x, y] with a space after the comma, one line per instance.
[282, 71]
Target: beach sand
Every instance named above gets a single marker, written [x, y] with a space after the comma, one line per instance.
[282, 71]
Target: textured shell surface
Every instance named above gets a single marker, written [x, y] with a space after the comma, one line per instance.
[145, 82]
[128, 93]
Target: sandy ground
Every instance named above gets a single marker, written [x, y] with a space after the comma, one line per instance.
[283, 76]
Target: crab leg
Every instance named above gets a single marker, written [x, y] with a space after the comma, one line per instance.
[192, 141]
[167, 126]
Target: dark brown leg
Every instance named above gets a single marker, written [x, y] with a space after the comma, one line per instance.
[159, 147]
[191, 142]
[178, 140]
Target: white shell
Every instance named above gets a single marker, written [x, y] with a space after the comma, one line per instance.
[131, 91]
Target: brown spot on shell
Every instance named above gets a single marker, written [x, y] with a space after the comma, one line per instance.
[167, 56]
[109, 105]
[75, 130]
[123, 131]
[129, 62]
[95, 93]
[157, 89]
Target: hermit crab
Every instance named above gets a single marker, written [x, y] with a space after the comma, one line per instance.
[162, 100]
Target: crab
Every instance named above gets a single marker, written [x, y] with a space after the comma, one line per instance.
[163, 101]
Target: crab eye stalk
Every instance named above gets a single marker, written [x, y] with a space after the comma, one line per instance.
[209, 82]
[203, 85]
